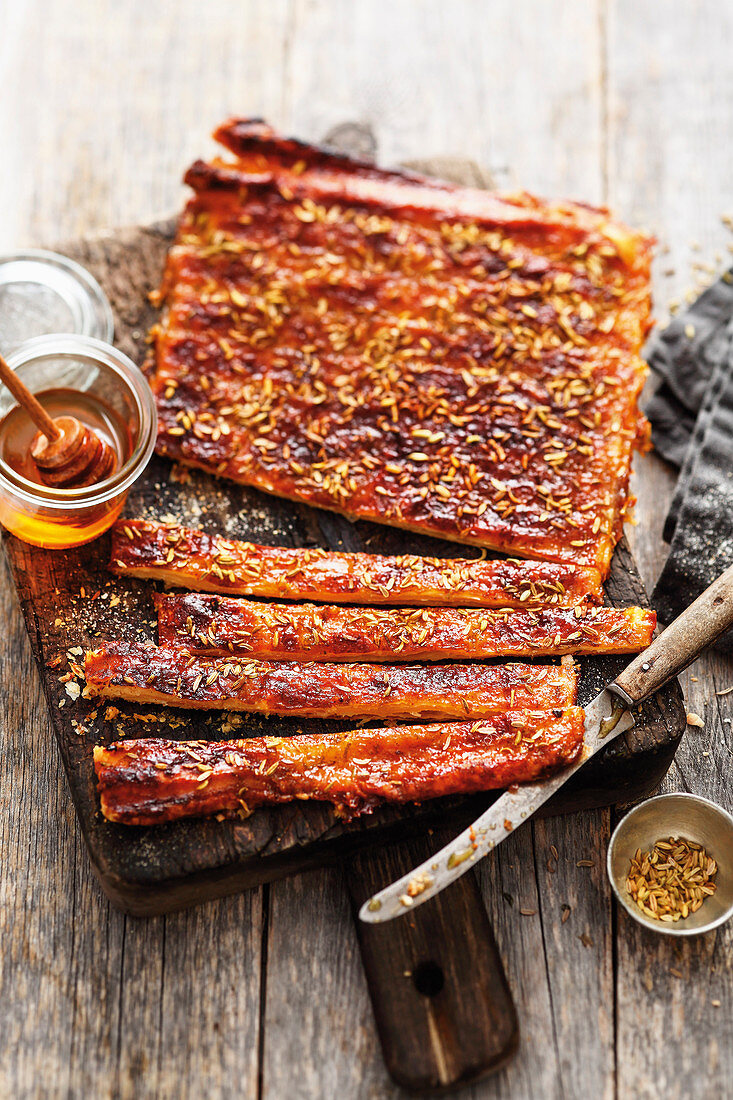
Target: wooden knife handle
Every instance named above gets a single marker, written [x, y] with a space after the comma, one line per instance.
[676, 647]
[442, 1006]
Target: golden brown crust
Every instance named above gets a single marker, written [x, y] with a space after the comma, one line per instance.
[149, 674]
[189, 558]
[413, 353]
[284, 632]
[151, 781]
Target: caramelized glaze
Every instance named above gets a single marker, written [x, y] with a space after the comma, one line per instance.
[188, 558]
[400, 350]
[149, 674]
[285, 632]
[149, 781]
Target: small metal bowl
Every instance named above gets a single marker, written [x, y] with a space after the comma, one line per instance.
[693, 818]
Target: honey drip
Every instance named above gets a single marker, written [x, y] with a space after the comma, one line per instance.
[26, 451]
[88, 465]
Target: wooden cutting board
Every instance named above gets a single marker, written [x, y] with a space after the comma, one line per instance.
[70, 602]
[442, 1005]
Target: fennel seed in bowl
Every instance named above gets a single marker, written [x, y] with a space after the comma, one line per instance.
[671, 880]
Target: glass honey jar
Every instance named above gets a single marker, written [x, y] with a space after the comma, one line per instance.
[77, 376]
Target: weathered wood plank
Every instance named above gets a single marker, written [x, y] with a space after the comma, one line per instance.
[670, 95]
[67, 966]
[484, 133]
[319, 1036]
[189, 1005]
[561, 987]
[73, 166]
[39, 850]
[224, 941]
[578, 950]
[509, 884]
[480, 82]
[450, 80]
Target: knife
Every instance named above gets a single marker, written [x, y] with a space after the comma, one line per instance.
[606, 717]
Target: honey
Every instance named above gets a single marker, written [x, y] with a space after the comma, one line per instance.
[60, 534]
[83, 378]
[17, 432]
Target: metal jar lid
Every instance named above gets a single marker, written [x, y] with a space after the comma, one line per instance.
[42, 292]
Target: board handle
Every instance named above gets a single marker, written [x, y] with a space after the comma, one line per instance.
[680, 644]
[442, 1005]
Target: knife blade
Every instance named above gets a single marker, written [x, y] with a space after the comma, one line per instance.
[606, 717]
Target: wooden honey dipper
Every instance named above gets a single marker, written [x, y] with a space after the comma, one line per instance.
[66, 454]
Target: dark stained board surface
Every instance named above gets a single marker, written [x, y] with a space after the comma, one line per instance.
[69, 600]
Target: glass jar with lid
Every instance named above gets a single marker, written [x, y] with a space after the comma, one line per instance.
[102, 387]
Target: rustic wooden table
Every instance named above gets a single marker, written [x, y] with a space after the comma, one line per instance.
[101, 108]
